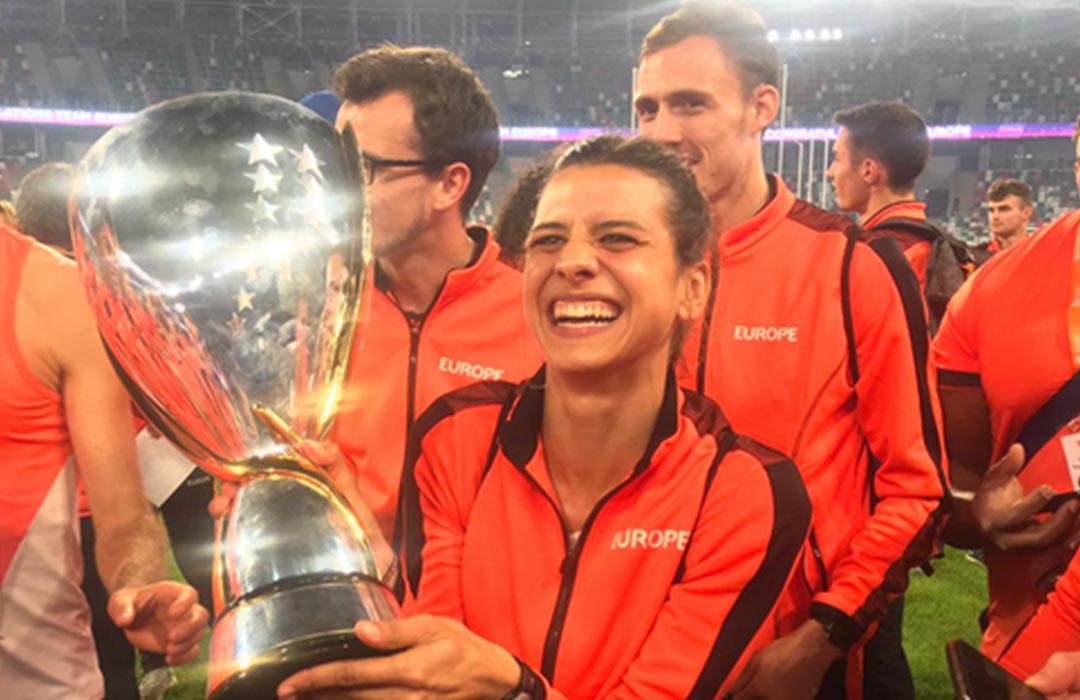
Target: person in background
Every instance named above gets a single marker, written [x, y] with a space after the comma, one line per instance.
[814, 342]
[1009, 205]
[1008, 347]
[446, 311]
[64, 415]
[41, 203]
[518, 209]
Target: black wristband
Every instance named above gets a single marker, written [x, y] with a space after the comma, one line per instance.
[841, 631]
[530, 687]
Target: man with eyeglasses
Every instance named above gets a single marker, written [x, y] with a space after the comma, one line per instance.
[446, 312]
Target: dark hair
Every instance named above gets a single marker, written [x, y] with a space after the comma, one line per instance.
[1002, 188]
[453, 113]
[737, 29]
[518, 208]
[892, 133]
[688, 212]
[41, 205]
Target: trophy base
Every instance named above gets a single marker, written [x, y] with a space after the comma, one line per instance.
[261, 682]
[294, 624]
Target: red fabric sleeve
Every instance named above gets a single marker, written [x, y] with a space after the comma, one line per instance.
[902, 430]
[954, 345]
[448, 472]
[1055, 627]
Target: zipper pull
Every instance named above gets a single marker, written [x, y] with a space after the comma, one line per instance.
[570, 560]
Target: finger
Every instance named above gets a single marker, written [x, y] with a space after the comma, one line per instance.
[182, 645]
[186, 600]
[1007, 467]
[121, 607]
[321, 454]
[219, 505]
[391, 635]
[1024, 510]
[1061, 674]
[181, 655]
[352, 674]
[190, 627]
[1053, 530]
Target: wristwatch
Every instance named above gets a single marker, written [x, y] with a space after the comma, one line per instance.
[530, 687]
[841, 631]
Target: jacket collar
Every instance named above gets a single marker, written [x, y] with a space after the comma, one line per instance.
[743, 236]
[905, 209]
[460, 280]
[519, 434]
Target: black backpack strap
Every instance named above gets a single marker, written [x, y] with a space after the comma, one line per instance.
[1062, 407]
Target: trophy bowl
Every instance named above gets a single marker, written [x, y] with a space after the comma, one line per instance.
[222, 245]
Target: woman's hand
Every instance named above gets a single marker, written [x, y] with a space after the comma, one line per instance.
[436, 658]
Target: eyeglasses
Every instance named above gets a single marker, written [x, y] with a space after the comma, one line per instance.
[373, 163]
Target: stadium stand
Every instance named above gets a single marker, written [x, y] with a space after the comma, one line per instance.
[538, 76]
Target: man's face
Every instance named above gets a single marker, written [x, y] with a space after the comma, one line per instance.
[1009, 217]
[690, 98]
[852, 192]
[399, 197]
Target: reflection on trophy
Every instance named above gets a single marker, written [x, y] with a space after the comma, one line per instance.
[221, 242]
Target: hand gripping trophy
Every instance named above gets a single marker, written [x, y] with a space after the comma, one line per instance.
[222, 245]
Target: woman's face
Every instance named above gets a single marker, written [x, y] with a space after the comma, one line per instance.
[603, 288]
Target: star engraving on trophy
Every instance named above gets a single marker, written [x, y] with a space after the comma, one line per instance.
[265, 181]
[264, 210]
[243, 300]
[261, 151]
[308, 162]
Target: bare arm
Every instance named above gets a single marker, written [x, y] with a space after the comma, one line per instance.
[58, 337]
[968, 443]
[131, 542]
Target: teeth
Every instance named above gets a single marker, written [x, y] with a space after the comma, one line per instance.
[587, 312]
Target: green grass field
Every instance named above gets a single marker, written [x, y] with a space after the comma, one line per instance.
[939, 608]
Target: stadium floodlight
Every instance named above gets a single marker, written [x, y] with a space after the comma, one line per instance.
[773, 36]
[810, 35]
[796, 35]
[837, 34]
[825, 35]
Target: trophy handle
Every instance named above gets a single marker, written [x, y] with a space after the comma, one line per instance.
[277, 426]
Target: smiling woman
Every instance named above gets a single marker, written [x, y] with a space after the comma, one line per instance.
[594, 532]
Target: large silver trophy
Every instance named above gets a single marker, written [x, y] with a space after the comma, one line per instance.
[222, 246]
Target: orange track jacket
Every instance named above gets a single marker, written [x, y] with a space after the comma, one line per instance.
[475, 330]
[678, 575]
[1007, 331]
[814, 342]
[1055, 627]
